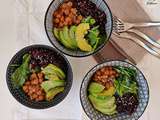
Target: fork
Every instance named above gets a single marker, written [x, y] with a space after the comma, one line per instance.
[120, 26]
[139, 42]
[124, 26]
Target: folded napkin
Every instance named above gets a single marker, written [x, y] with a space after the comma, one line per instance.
[129, 11]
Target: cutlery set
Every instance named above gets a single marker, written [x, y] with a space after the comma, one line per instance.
[123, 29]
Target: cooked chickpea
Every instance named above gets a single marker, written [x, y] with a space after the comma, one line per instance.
[74, 11]
[80, 17]
[65, 23]
[56, 20]
[32, 87]
[58, 16]
[33, 76]
[61, 24]
[70, 4]
[40, 80]
[34, 96]
[35, 82]
[39, 92]
[41, 97]
[66, 12]
[66, 15]
[55, 13]
[27, 83]
[64, 5]
[105, 76]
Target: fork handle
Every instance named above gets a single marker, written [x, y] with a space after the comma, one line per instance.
[153, 24]
[145, 37]
[146, 47]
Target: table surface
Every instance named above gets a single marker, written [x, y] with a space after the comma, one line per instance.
[10, 44]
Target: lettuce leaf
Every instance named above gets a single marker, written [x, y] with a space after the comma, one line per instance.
[21, 73]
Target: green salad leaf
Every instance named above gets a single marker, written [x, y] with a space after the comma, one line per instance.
[21, 73]
[93, 37]
[126, 82]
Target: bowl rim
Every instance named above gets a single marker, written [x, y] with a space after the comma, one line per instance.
[45, 47]
[111, 60]
[79, 56]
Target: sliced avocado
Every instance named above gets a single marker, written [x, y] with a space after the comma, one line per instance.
[108, 108]
[63, 40]
[98, 96]
[81, 31]
[108, 102]
[56, 33]
[51, 77]
[67, 37]
[50, 84]
[52, 69]
[95, 87]
[110, 111]
[110, 92]
[72, 31]
[53, 92]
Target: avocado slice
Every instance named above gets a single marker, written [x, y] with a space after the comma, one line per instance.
[105, 106]
[81, 31]
[72, 36]
[52, 69]
[108, 102]
[67, 37]
[63, 40]
[56, 33]
[110, 111]
[51, 77]
[95, 87]
[110, 92]
[50, 84]
[53, 92]
[98, 96]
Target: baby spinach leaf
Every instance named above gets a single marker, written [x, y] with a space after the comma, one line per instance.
[93, 37]
[20, 74]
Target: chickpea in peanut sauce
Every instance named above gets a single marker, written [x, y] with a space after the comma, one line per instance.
[105, 76]
[32, 87]
[66, 15]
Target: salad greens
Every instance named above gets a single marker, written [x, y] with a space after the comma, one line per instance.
[126, 82]
[93, 37]
[21, 73]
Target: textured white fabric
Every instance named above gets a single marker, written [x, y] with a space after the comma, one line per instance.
[14, 35]
[29, 19]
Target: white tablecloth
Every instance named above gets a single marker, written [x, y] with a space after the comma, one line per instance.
[21, 24]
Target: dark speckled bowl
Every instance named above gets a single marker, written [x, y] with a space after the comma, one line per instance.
[101, 4]
[143, 92]
[20, 96]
